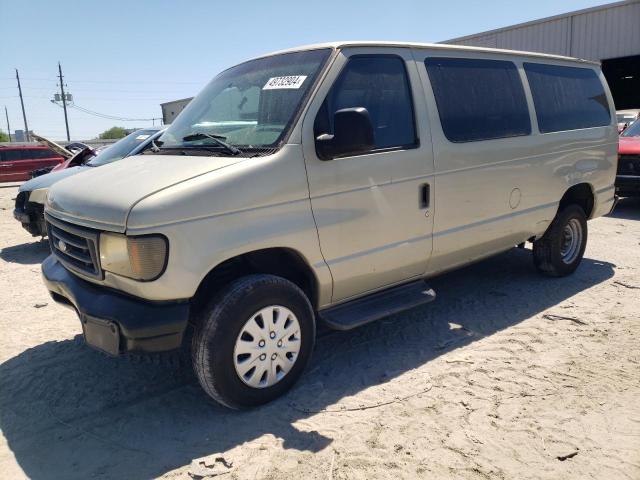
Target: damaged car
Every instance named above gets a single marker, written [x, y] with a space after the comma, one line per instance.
[29, 206]
[73, 155]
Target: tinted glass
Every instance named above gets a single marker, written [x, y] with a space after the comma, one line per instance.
[122, 148]
[46, 153]
[29, 153]
[38, 153]
[478, 99]
[379, 84]
[11, 155]
[567, 98]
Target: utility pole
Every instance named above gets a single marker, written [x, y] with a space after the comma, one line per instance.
[64, 102]
[24, 115]
[8, 126]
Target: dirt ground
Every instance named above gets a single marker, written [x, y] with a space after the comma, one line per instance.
[506, 375]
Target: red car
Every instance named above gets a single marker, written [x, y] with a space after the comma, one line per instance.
[17, 162]
[628, 175]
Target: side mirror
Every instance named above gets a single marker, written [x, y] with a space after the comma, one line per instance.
[352, 134]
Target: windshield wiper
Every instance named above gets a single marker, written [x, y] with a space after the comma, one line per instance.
[218, 139]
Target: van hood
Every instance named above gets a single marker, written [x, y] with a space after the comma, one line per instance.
[103, 197]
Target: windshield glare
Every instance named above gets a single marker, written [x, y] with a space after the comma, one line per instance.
[121, 148]
[251, 105]
[632, 130]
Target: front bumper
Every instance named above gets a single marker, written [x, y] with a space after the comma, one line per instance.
[32, 219]
[628, 185]
[114, 322]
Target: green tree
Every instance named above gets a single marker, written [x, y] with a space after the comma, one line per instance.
[3, 137]
[113, 133]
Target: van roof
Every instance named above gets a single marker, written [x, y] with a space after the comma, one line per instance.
[434, 46]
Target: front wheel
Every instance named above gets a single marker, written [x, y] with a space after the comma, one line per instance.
[253, 341]
[560, 250]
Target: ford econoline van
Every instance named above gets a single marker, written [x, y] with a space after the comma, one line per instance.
[323, 185]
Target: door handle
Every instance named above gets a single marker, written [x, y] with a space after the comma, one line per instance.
[5, 165]
[425, 191]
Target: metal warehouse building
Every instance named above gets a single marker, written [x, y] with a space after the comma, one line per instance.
[607, 33]
[170, 110]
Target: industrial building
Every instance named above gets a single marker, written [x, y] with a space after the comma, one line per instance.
[170, 110]
[608, 33]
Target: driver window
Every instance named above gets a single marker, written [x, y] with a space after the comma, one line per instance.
[378, 83]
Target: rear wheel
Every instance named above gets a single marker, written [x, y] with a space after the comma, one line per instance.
[253, 341]
[560, 250]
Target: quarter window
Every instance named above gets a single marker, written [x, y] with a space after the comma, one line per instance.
[478, 99]
[567, 98]
[379, 84]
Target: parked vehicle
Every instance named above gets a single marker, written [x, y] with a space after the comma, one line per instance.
[325, 184]
[72, 155]
[626, 118]
[17, 162]
[29, 207]
[628, 175]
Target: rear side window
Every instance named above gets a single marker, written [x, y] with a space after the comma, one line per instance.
[478, 99]
[46, 153]
[11, 155]
[378, 83]
[37, 153]
[567, 98]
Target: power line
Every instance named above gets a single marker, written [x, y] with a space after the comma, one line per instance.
[144, 82]
[28, 78]
[107, 116]
[112, 117]
[170, 82]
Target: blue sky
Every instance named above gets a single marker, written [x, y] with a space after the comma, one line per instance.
[124, 58]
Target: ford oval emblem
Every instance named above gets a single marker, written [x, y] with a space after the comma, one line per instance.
[62, 246]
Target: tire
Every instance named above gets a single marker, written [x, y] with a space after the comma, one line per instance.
[230, 314]
[552, 255]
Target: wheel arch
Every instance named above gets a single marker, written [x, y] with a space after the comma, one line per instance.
[281, 261]
[581, 194]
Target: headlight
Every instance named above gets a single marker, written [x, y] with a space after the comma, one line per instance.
[38, 196]
[140, 258]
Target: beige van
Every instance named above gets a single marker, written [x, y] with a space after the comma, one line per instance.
[323, 185]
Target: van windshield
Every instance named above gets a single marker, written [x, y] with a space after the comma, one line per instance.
[250, 106]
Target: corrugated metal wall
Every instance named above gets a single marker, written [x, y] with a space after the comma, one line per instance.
[599, 33]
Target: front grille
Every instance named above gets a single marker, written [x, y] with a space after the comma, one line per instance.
[76, 247]
[629, 165]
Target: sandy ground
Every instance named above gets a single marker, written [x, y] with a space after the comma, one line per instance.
[505, 376]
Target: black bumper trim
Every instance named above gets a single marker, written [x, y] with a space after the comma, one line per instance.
[114, 322]
[628, 185]
[21, 216]
[31, 218]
